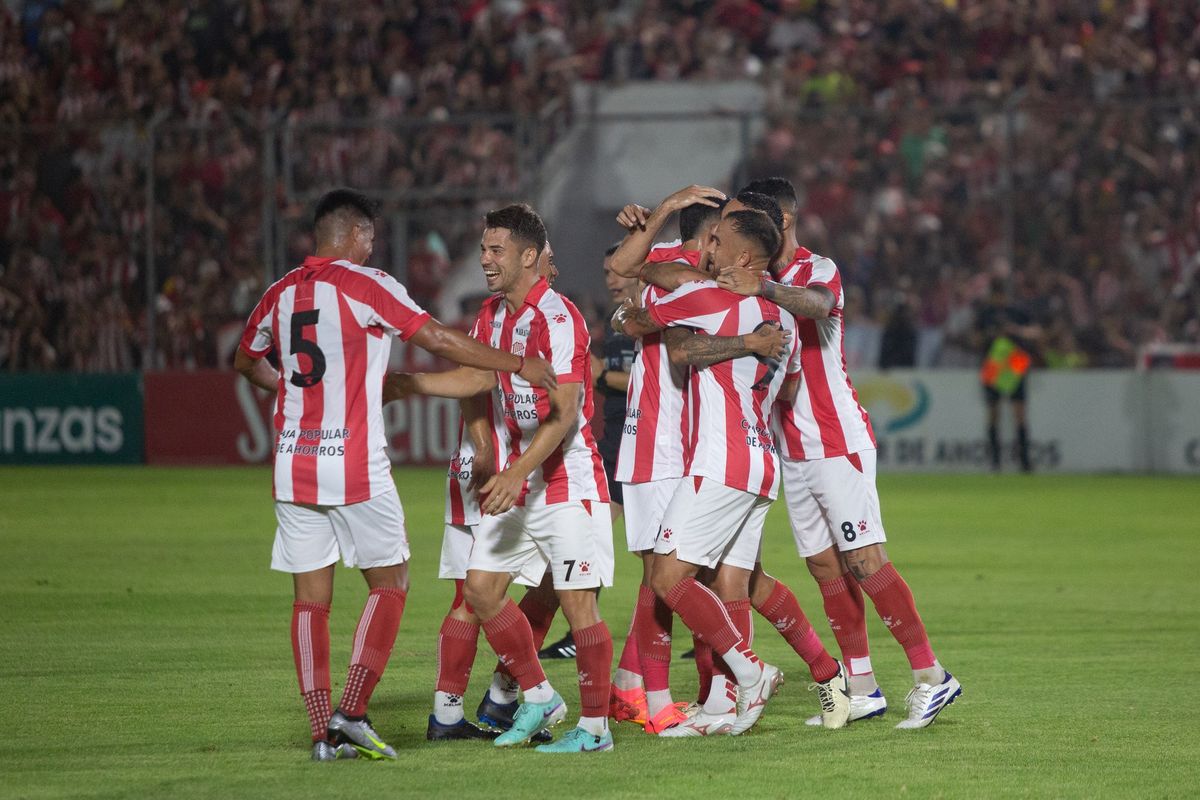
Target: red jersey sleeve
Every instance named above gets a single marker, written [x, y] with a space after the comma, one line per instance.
[258, 337]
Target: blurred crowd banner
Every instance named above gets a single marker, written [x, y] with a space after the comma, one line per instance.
[925, 421]
[71, 419]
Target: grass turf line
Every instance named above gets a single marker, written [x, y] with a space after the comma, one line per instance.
[144, 651]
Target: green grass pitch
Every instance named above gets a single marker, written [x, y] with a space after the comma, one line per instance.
[144, 652]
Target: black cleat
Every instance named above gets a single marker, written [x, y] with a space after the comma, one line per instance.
[500, 716]
[689, 654]
[437, 732]
[563, 648]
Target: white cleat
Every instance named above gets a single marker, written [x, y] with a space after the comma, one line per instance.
[702, 724]
[925, 702]
[834, 695]
[862, 706]
[752, 700]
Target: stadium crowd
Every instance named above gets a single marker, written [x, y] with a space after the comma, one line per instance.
[925, 136]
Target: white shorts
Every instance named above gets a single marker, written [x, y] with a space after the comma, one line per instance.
[457, 541]
[645, 504]
[708, 523]
[573, 538]
[367, 534]
[831, 502]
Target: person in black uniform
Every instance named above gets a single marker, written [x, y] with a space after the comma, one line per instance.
[1007, 339]
[611, 369]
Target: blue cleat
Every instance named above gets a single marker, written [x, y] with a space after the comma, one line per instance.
[437, 732]
[577, 740]
[500, 716]
[532, 718]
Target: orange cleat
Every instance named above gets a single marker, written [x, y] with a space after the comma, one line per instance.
[669, 717]
[628, 705]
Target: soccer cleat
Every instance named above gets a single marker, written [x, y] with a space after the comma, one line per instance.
[326, 751]
[577, 740]
[532, 718]
[437, 732]
[500, 716]
[688, 654]
[925, 702]
[752, 700]
[834, 695]
[702, 723]
[862, 706]
[563, 648]
[667, 718]
[360, 735]
[628, 705]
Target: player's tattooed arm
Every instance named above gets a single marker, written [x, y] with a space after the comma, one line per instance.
[685, 347]
[256, 370]
[813, 303]
[502, 490]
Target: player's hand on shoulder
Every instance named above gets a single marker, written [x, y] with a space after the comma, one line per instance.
[398, 386]
[740, 281]
[539, 373]
[633, 216]
[768, 340]
[500, 493]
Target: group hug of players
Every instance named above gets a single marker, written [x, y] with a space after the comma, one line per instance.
[737, 384]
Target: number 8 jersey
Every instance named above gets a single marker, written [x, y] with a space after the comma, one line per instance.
[331, 322]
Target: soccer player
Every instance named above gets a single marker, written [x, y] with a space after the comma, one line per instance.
[483, 444]
[651, 461]
[715, 519]
[330, 320]
[550, 501]
[828, 450]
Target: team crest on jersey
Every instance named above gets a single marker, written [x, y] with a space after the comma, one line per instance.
[518, 348]
[585, 568]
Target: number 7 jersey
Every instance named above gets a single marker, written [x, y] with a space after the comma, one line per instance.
[331, 323]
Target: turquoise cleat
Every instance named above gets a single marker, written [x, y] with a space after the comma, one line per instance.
[577, 740]
[531, 718]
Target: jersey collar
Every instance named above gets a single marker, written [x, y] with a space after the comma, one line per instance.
[536, 292]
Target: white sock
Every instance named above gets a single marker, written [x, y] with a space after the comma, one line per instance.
[657, 701]
[596, 726]
[745, 670]
[542, 693]
[860, 675]
[932, 675]
[503, 689]
[720, 700]
[447, 708]
[626, 680]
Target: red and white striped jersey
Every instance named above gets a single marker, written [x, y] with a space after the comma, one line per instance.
[549, 326]
[826, 420]
[729, 403]
[330, 322]
[653, 436]
[462, 506]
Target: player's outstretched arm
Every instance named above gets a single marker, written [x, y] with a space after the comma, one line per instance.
[256, 370]
[628, 259]
[686, 348]
[456, 384]
[499, 493]
[670, 275]
[814, 303]
[456, 346]
[634, 321]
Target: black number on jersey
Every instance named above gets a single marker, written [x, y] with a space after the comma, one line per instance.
[570, 566]
[848, 531]
[300, 321]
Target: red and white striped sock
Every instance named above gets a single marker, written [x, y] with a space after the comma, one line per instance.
[705, 668]
[783, 611]
[539, 617]
[702, 611]
[457, 643]
[894, 602]
[654, 622]
[846, 610]
[593, 661]
[310, 648]
[509, 635]
[373, 642]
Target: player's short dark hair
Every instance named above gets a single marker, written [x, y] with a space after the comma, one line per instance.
[758, 228]
[779, 189]
[612, 248]
[522, 222]
[694, 217]
[356, 206]
[764, 203]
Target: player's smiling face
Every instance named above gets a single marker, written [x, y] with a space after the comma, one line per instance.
[503, 259]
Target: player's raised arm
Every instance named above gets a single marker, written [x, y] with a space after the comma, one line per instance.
[630, 257]
[454, 345]
[503, 489]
